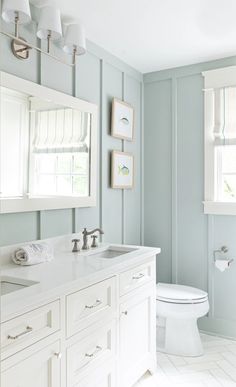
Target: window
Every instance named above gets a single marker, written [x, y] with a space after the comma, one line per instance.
[226, 173]
[220, 141]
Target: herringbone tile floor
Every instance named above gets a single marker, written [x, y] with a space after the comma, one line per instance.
[217, 368]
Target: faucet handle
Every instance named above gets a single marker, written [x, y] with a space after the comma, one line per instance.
[94, 243]
[76, 247]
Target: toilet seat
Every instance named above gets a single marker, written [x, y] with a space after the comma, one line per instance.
[179, 294]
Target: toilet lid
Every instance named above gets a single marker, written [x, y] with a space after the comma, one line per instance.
[180, 294]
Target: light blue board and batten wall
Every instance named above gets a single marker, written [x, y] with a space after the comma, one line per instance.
[99, 77]
[174, 191]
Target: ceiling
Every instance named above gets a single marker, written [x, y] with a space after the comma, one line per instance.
[152, 35]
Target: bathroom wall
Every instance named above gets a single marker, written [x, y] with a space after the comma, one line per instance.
[99, 78]
[174, 191]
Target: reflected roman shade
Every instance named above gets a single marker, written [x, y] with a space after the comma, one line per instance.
[60, 131]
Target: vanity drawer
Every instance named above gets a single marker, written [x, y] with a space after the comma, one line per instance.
[90, 305]
[24, 330]
[83, 356]
[133, 278]
[102, 376]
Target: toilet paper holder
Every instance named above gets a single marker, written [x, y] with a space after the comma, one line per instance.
[222, 250]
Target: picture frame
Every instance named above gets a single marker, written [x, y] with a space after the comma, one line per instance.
[122, 170]
[122, 120]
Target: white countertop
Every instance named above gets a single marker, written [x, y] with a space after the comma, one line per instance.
[68, 272]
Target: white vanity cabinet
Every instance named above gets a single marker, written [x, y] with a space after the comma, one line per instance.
[101, 335]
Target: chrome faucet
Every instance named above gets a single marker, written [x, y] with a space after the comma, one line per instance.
[86, 234]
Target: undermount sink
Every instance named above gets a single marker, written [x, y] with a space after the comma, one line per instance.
[12, 284]
[112, 252]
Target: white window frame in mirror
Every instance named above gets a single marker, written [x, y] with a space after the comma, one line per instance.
[29, 203]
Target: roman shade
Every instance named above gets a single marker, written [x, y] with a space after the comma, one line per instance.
[224, 128]
[61, 131]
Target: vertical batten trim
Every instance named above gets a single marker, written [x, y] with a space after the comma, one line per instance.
[73, 215]
[123, 150]
[74, 94]
[142, 170]
[100, 141]
[39, 225]
[39, 62]
[174, 163]
[0, 124]
[74, 80]
[210, 268]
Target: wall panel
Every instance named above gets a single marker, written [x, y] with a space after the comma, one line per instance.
[157, 173]
[132, 198]
[191, 222]
[111, 198]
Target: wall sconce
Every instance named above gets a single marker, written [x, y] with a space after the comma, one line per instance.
[49, 29]
[17, 12]
[74, 42]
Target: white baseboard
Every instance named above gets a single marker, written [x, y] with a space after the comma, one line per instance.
[218, 327]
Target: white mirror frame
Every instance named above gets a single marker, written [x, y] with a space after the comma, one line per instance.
[28, 203]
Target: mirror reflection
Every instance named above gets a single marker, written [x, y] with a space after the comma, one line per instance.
[45, 148]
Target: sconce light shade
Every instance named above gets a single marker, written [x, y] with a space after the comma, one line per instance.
[75, 41]
[49, 23]
[13, 8]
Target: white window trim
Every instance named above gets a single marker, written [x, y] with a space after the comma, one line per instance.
[213, 79]
[12, 205]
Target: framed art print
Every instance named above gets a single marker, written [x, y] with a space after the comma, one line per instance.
[122, 170]
[122, 122]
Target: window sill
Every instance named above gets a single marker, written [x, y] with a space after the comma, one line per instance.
[220, 208]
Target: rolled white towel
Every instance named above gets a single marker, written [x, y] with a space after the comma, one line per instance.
[33, 254]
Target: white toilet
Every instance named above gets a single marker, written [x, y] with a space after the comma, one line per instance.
[178, 308]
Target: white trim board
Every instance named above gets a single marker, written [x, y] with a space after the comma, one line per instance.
[219, 208]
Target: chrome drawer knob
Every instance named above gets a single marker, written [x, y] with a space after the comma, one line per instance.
[90, 355]
[58, 355]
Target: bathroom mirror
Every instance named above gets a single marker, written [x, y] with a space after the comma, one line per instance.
[48, 148]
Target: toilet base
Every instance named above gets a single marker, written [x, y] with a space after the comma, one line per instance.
[181, 337]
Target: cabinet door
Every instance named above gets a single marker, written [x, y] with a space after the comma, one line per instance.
[41, 369]
[137, 335]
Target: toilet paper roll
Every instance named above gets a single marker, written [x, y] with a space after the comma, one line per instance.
[222, 264]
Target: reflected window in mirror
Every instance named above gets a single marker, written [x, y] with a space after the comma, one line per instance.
[59, 152]
[45, 148]
[14, 140]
